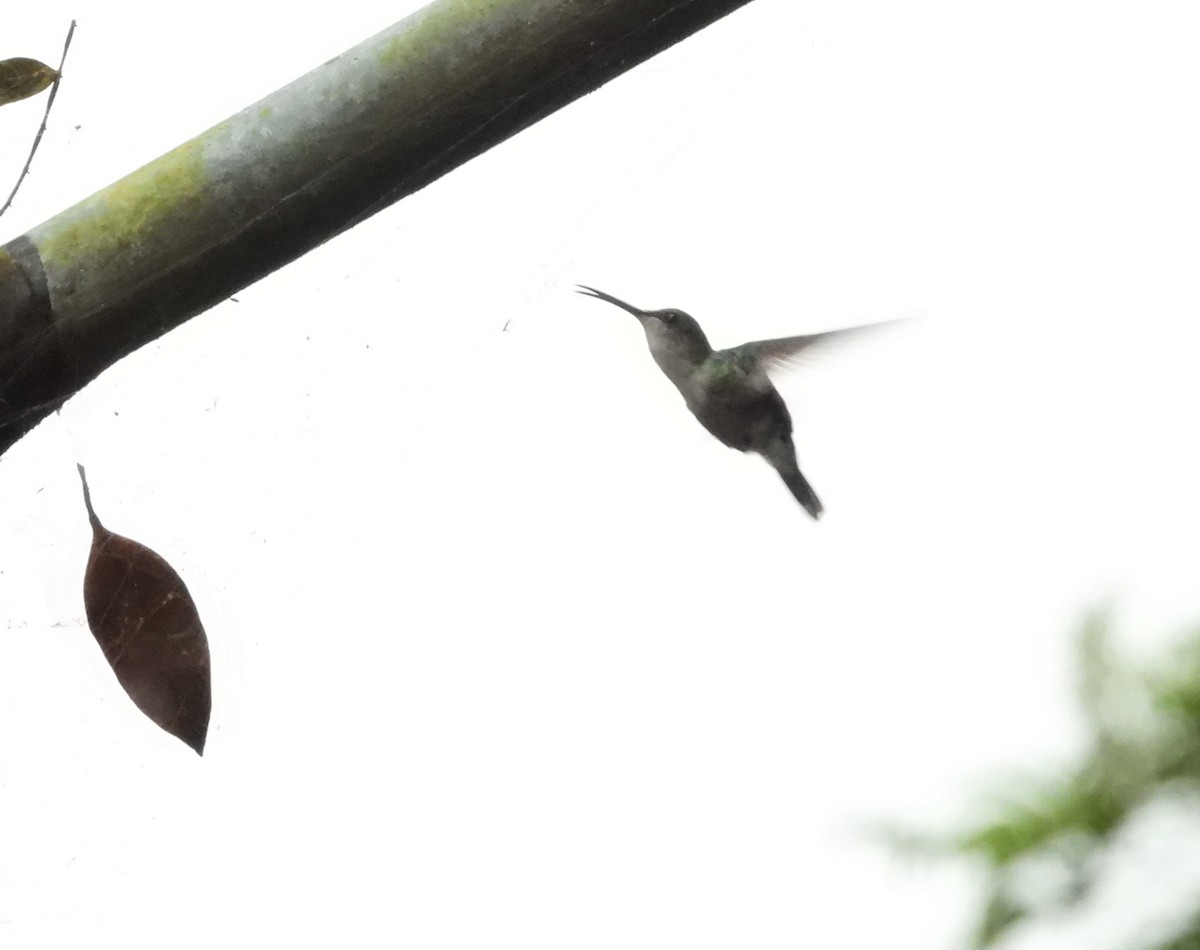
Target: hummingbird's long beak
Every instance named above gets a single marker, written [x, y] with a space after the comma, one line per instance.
[593, 292]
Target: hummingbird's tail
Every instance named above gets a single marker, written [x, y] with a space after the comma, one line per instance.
[799, 486]
[781, 453]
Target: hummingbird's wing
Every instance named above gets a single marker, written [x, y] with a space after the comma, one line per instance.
[786, 352]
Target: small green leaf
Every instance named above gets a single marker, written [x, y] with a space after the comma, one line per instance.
[1000, 913]
[21, 78]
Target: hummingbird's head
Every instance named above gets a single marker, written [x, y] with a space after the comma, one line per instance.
[675, 332]
[668, 331]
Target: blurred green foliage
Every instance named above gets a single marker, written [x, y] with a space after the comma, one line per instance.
[1143, 744]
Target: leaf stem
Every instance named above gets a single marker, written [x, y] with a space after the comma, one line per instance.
[87, 500]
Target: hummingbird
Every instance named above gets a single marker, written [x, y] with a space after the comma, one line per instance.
[729, 391]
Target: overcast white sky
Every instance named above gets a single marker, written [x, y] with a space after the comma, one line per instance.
[507, 650]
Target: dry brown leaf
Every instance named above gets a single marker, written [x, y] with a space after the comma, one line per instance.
[145, 621]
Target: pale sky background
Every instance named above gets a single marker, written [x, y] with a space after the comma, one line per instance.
[507, 650]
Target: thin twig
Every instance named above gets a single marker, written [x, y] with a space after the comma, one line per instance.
[37, 140]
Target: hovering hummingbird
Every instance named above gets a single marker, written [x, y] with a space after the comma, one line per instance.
[729, 390]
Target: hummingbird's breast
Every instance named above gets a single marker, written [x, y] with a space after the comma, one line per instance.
[739, 406]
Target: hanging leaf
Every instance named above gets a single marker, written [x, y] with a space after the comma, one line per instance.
[21, 78]
[146, 623]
